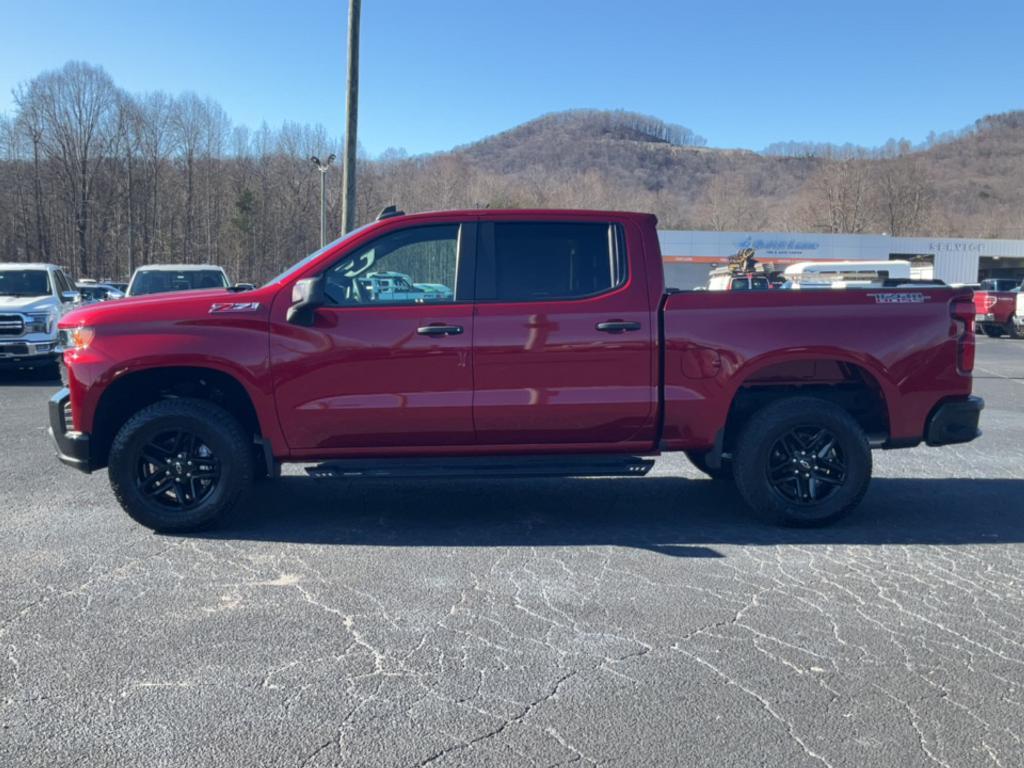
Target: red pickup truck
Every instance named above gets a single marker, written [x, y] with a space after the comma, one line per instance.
[531, 343]
[995, 305]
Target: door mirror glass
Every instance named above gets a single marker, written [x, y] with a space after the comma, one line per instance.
[307, 295]
[70, 296]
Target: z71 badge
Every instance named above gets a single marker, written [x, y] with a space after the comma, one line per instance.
[899, 298]
[241, 306]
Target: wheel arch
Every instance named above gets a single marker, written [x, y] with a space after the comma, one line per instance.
[859, 385]
[136, 389]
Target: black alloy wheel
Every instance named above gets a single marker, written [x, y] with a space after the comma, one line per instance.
[180, 464]
[802, 461]
[177, 470]
[806, 465]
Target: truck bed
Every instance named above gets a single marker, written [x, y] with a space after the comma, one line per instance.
[893, 340]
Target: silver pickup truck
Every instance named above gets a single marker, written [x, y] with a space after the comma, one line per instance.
[33, 297]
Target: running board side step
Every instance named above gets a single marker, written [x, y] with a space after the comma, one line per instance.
[584, 465]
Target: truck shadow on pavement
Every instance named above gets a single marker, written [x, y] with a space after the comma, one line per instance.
[672, 516]
[44, 379]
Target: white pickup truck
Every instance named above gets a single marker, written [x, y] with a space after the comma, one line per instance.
[33, 297]
[396, 286]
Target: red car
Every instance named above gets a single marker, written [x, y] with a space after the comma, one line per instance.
[556, 352]
[995, 306]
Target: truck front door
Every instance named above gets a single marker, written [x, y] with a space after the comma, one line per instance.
[377, 370]
[563, 340]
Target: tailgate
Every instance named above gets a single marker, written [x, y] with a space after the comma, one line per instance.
[983, 302]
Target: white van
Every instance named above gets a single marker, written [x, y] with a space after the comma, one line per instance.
[724, 280]
[844, 274]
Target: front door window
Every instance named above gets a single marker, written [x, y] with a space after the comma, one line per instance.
[411, 266]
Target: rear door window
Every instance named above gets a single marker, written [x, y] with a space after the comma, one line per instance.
[538, 261]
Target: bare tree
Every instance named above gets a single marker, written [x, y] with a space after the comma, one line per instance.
[905, 194]
[77, 108]
[728, 205]
[188, 117]
[839, 196]
[156, 143]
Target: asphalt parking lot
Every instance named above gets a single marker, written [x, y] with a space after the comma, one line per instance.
[628, 622]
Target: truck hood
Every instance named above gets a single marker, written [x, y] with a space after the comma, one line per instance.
[26, 303]
[179, 305]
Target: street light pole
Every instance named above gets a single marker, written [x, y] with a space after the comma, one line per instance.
[348, 220]
[322, 167]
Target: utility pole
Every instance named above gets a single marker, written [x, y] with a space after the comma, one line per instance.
[348, 220]
[322, 167]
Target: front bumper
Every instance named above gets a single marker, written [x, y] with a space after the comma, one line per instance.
[73, 448]
[21, 353]
[955, 421]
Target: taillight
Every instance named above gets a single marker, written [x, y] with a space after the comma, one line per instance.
[962, 312]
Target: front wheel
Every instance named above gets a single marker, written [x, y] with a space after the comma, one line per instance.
[179, 465]
[802, 461]
[1015, 331]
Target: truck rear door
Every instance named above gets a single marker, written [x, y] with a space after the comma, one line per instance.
[564, 342]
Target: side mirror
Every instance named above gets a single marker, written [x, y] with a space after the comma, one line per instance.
[307, 295]
[70, 296]
[245, 287]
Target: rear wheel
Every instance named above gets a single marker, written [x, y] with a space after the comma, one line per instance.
[700, 461]
[802, 461]
[992, 331]
[179, 465]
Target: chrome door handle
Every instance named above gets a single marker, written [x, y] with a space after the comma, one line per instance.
[617, 326]
[439, 330]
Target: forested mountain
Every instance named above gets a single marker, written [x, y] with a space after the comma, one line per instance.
[99, 180]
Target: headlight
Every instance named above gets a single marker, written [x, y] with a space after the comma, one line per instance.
[39, 322]
[76, 338]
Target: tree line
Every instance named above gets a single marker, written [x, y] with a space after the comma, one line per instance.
[101, 181]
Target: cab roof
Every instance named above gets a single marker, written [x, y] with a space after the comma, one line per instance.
[178, 267]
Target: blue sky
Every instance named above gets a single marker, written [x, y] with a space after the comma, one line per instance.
[438, 73]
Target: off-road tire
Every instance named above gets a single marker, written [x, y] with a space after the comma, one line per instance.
[756, 452]
[216, 428]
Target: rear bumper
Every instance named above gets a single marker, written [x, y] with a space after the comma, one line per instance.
[73, 448]
[955, 421]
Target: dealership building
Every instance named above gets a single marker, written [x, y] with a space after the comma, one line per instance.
[690, 255]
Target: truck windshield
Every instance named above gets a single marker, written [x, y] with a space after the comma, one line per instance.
[24, 282]
[163, 281]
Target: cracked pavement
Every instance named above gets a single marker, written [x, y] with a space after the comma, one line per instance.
[557, 622]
